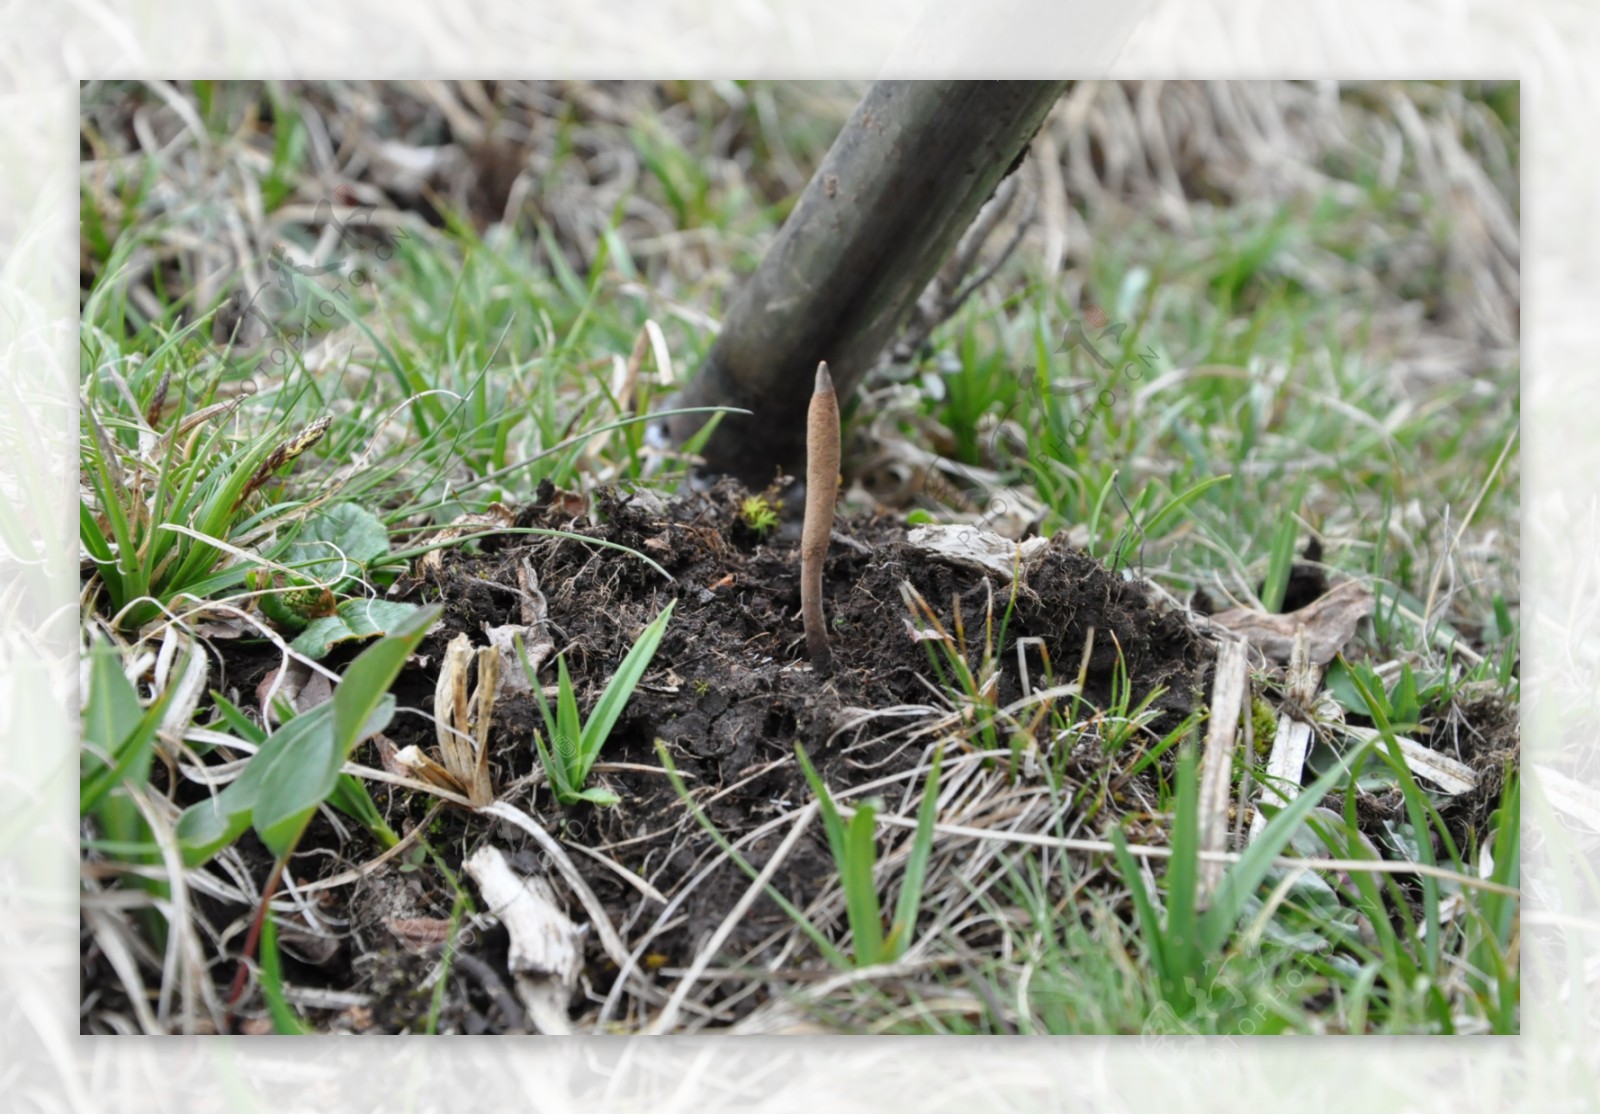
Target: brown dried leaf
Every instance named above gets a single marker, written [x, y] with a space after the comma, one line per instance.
[413, 762]
[432, 562]
[463, 721]
[302, 687]
[419, 936]
[1330, 622]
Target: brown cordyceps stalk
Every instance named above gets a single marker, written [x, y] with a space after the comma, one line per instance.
[822, 487]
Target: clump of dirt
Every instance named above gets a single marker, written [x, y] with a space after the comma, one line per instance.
[1484, 734]
[730, 691]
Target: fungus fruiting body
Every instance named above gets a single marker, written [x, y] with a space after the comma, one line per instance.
[822, 484]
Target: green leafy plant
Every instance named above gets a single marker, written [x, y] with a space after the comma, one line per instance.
[978, 691]
[1186, 946]
[119, 737]
[329, 554]
[166, 508]
[856, 855]
[118, 732]
[297, 767]
[1355, 684]
[574, 745]
[759, 513]
[349, 794]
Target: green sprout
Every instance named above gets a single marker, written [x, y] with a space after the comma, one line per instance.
[759, 513]
[569, 748]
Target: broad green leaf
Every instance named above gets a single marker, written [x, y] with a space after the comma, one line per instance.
[368, 678]
[113, 710]
[352, 620]
[297, 767]
[115, 722]
[1341, 683]
[209, 826]
[1405, 706]
[299, 777]
[332, 547]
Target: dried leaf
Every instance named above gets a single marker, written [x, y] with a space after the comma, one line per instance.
[419, 936]
[462, 721]
[297, 684]
[1330, 622]
[980, 549]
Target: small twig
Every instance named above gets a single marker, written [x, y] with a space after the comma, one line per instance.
[822, 486]
[490, 981]
[1229, 696]
[1291, 740]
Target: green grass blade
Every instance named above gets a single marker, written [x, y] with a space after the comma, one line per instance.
[906, 908]
[112, 712]
[554, 771]
[1240, 883]
[832, 823]
[1143, 908]
[1180, 501]
[350, 797]
[237, 722]
[285, 1020]
[1418, 810]
[538, 689]
[568, 743]
[860, 891]
[619, 689]
[1280, 562]
[1184, 956]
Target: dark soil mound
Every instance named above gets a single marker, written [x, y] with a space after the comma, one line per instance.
[730, 691]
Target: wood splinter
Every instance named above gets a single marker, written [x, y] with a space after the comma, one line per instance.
[822, 488]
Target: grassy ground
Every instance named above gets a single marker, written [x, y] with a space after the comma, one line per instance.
[1302, 306]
